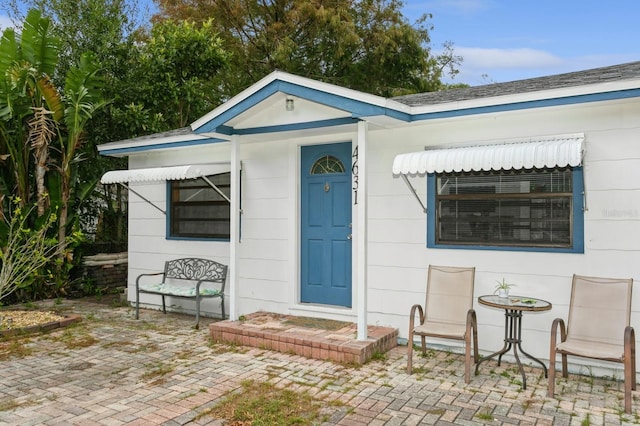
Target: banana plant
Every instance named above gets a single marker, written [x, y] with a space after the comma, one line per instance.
[82, 98]
[39, 121]
[26, 63]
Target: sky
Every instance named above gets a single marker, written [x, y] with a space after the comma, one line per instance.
[506, 40]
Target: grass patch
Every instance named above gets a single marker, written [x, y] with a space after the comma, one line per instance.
[8, 405]
[421, 370]
[224, 347]
[260, 404]
[14, 348]
[485, 415]
[378, 356]
[131, 347]
[156, 370]
[74, 337]
[430, 353]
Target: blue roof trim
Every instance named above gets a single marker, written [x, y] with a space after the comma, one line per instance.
[161, 145]
[569, 100]
[355, 107]
[297, 126]
[225, 130]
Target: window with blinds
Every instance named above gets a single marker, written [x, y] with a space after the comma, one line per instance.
[521, 208]
[196, 210]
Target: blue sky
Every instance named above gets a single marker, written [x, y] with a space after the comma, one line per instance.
[505, 40]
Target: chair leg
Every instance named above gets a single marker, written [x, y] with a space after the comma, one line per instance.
[137, 303]
[467, 359]
[476, 356]
[197, 326]
[224, 316]
[423, 342]
[565, 369]
[410, 352]
[630, 353]
[629, 366]
[628, 383]
[552, 372]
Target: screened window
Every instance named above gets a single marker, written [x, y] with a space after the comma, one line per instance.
[197, 210]
[518, 208]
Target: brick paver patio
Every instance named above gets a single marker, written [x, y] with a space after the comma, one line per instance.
[114, 370]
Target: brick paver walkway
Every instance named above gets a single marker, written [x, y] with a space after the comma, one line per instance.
[114, 370]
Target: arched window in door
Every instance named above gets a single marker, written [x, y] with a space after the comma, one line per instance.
[327, 165]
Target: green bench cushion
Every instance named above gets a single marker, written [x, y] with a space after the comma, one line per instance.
[177, 290]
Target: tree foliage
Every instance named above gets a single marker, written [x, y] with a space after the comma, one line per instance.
[42, 125]
[177, 66]
[366, 45]
[98, 26]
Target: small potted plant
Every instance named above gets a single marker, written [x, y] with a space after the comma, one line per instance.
[502, 288]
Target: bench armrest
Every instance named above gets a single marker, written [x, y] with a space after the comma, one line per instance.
[147, 275]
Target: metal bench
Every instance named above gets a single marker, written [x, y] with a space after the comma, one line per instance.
[187, 278]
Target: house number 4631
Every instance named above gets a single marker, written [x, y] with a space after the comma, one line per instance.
[354, 172]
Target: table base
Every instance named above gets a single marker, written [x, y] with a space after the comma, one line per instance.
[512, 339]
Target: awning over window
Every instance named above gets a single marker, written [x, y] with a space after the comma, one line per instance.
[554, 151]
[165, 173]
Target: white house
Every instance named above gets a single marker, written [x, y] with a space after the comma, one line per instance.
[339, 200]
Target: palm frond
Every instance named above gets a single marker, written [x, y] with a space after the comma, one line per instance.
[8, 49]
[38, 44]
[52, 97]
[83, 96]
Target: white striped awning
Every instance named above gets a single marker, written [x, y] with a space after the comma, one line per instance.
[548, 152]
[164, 173]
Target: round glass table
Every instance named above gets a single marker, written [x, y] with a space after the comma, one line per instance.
[513, 307]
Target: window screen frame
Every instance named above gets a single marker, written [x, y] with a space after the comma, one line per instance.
[170, 235]
[577, 221]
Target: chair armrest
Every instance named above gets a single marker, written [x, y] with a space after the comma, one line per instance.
[147, 275]
[412, 316]
[558, 322]
[472, 321]
[629, 341]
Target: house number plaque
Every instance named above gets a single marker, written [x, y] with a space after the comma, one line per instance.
[354, 172]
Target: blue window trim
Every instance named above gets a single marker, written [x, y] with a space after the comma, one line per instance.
[168, 235]
[578, 221]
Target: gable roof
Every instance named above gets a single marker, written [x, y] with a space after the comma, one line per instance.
[341, 106]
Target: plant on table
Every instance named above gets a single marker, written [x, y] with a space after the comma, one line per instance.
[503, 287]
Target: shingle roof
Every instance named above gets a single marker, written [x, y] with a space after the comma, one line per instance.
[579, 78]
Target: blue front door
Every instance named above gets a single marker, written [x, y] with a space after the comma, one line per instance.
[326, 224]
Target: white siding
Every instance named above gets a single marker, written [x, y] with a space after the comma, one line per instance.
[398, 257]
[397, 254]
[148, 246]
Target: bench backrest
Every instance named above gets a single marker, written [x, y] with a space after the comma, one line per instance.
[196, 269]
